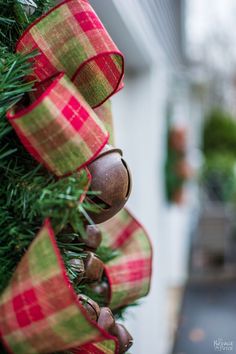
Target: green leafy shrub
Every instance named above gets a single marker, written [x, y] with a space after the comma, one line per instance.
[219, 177]
[219, 133]
[219, 147]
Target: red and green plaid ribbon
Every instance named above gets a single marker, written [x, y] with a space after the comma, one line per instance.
[60, 129]
[129, 274]
[70, 38]
[104, 113]
[105, 347]
[39, 311]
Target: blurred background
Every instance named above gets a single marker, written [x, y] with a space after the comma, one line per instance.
[176, 123]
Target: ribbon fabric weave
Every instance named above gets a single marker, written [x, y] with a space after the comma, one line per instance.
[95, 348]
[104, 113]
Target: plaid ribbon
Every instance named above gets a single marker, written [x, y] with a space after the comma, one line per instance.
[129, 274]
[105, 347]
[39, 311]
[60, 129]
[70, 38]
[104, 113]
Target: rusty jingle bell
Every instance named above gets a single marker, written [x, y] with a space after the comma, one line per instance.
[91, 307]
[102, 289]
[77, 266]
[106, 319]
[124, 337]
[94, 267]
[112, 179]
[94, 237]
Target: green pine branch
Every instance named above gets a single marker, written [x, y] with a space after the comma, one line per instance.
[16, 17]
[13, 69]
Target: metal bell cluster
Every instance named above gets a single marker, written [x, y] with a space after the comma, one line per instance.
[105, 319]
[90, 270]
[111, 178]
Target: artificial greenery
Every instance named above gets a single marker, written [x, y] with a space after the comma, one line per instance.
[16, 16]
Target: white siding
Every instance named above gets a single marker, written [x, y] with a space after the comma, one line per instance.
[149, 34]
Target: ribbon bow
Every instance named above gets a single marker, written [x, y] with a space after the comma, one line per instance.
[77, 69]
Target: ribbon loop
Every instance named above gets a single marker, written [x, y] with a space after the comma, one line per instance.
[60, 129]
[39, 310]
[129, 274]
[71, 38]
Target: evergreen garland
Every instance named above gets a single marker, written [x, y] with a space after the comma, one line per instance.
[28, 192]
